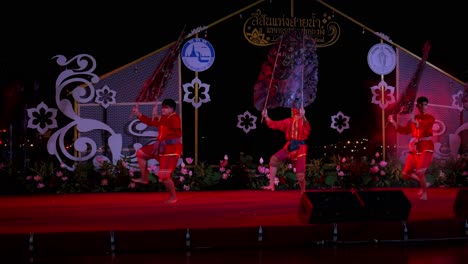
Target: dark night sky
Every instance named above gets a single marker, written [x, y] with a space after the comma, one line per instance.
[120, 33]
[117, 34]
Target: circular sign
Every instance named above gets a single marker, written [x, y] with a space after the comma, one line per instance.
[198, 54]
[381, 58]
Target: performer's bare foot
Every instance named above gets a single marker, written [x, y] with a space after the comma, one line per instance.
[268, 188]
[420, 192]
[171, 201]
[423, 196]
[140, 181]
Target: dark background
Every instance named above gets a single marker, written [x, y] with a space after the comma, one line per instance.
[119, 33]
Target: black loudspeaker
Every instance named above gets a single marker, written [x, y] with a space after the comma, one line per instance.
[392, 205]
[330, 207]
[460, 206]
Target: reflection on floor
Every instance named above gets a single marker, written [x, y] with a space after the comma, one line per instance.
[442, 252]
[237, 226]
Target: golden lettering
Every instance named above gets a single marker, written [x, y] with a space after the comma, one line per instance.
[324, 31]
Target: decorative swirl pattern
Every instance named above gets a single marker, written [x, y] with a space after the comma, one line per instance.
[79, 70]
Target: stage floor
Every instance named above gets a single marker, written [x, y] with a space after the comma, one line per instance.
[129, 222]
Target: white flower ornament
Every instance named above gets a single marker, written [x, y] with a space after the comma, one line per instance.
[246, 121]
[189, 95]
[42, 118]
[340, 122]
[457, 100]
[105, 96]
[388, 94]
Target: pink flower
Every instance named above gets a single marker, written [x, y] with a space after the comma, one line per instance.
[189, 160]
[37, 178]
[341, 173]
[40, 185]
[104, 182]
[59, 174]
[377, 155]
[223, 163]
[225, 176]
[261, 169]
[374, 169]
[383, 164]
[261, 160]
[100, 160]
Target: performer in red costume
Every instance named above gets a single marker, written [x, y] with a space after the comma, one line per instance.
[296, 130]
[166, 150]
[421, 146]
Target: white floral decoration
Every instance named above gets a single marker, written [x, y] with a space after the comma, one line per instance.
[340, 122]
[389, 97]
[203, 96]
[42, 118]
[105, 96]
[246, 121]
[80, 77]
[457, 100]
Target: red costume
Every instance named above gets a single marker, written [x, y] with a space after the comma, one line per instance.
[421, 146]
[296, 130]
[168, 147]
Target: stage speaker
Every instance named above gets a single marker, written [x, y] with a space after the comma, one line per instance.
[460, 206]
[330, 207]
[391, 205]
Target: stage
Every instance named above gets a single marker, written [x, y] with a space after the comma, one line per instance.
[106, 223]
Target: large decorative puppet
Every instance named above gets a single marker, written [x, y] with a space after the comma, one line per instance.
[153, 85]
[290, 73]
[406, 103]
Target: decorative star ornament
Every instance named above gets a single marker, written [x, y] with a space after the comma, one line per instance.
[340, 122]
[388, 94]
[457, 100]
[105, 96]
[189, 92]
[42, 118]
[246, 121]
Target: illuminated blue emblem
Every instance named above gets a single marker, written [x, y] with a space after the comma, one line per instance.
[198, 54]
